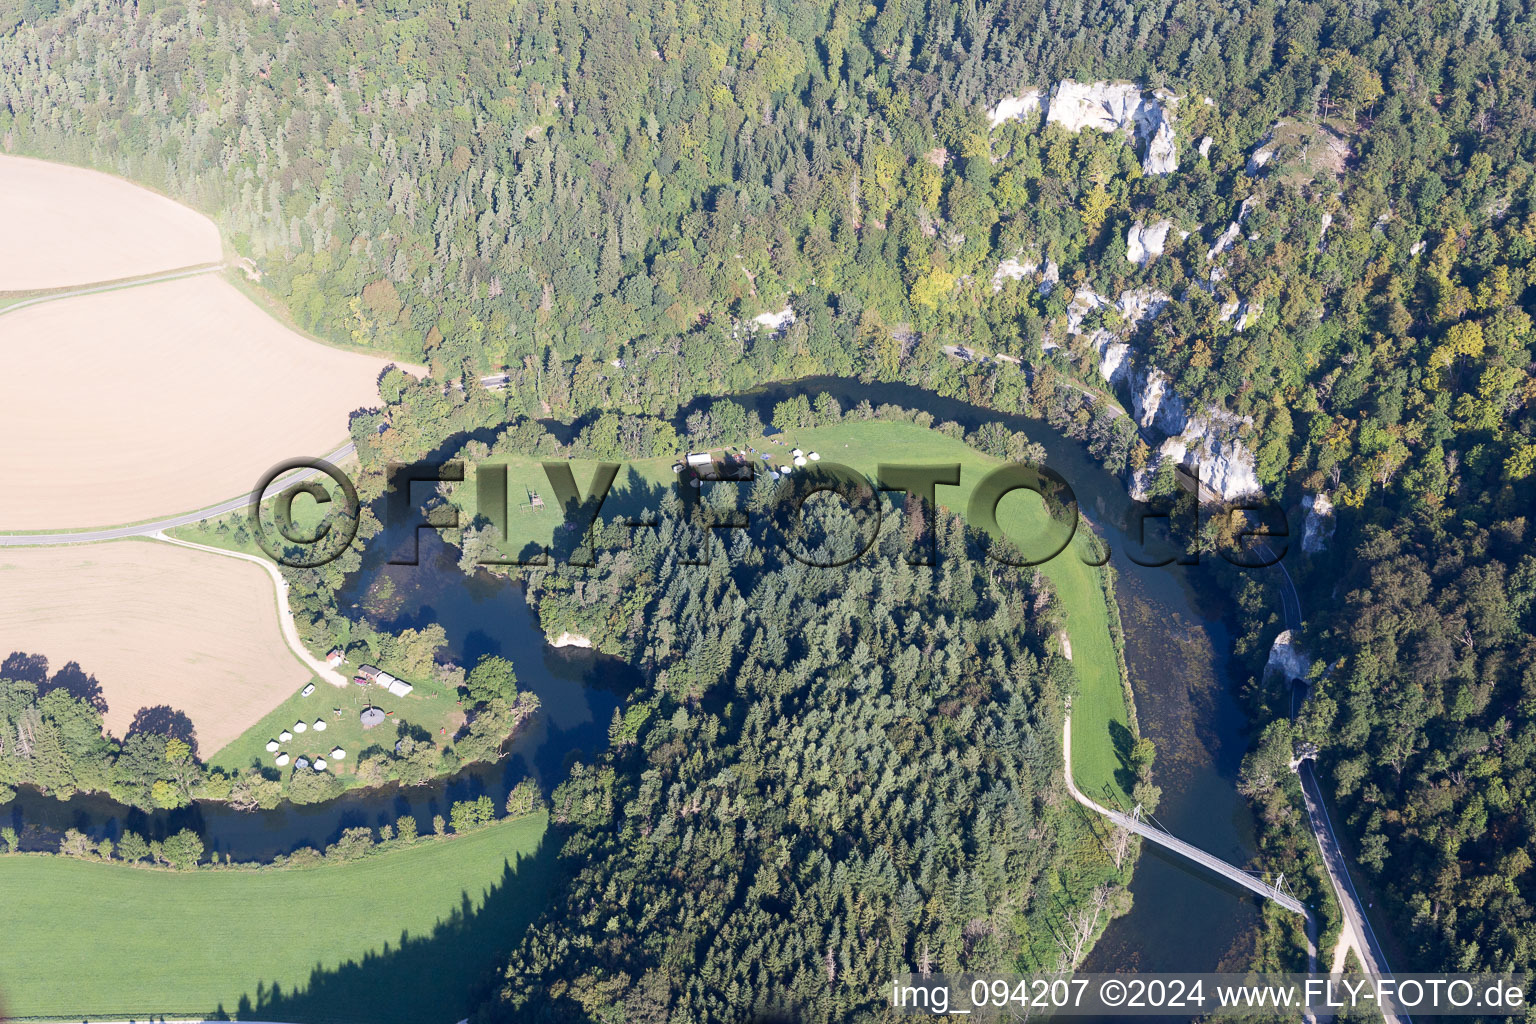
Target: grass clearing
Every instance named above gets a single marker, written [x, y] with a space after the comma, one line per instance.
[406, 935]
[1099, 709]
[67, 225]
[430, 708]
[156, 625]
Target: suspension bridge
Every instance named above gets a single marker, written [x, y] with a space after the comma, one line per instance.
[1149, 831]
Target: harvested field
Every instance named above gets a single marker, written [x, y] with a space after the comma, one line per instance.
[164, 398]
[67, 226]
[155, 625]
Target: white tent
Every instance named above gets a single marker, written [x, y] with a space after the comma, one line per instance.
[796, 452]
[799, 460]
[271, 746]
[285, 735]
[337, 754]
[319, 764]
[815, 456]
[282, 759]
[319, 725]
[300, 726]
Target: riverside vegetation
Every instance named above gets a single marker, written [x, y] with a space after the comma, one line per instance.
[597, 200]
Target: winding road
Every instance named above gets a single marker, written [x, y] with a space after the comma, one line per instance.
[1357, 933]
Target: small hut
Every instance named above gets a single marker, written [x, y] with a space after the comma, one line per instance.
[282, 759]
[300, 726]
[319, 725]
[272, 746]
[371, 717]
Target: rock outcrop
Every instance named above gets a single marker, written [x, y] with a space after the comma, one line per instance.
[1011, 269]
[1103, 106]
[1145, 243]
[1152, 119]
[775, 322]
[1286, 659]
[1016, 108]
[1051, 278]
[1319, 523]
[569, 639]
[1207, 440]
[1234, 230]
[1119, 107]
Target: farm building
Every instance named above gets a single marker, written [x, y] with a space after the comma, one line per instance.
[335, 657]
[394, 684]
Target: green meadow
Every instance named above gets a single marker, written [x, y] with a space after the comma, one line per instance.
[1099, 707]
[409, 936]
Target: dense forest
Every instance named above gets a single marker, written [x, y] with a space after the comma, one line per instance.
[598, 199]
[853, 775]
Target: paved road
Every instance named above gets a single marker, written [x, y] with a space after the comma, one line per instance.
[24, 540]
[113, 286]
[1179, 846]
[1357, 932]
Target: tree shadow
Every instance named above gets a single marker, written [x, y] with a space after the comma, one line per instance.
[1122, 740]
[164, 720]
[25, 668]
[79, 684]
[76, 681]
[442, 976]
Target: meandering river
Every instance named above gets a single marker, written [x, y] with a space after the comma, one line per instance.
[1176, 647]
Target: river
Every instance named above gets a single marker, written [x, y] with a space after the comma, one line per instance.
[578, 691]
[1177, 650]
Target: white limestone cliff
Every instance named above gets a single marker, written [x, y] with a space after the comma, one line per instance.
[1319, 524]
[775, 322]
[1208, 439]
[1144, 243]
[1287, 659]
[1120, 107]
[1016, 108]
[1011, 269]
